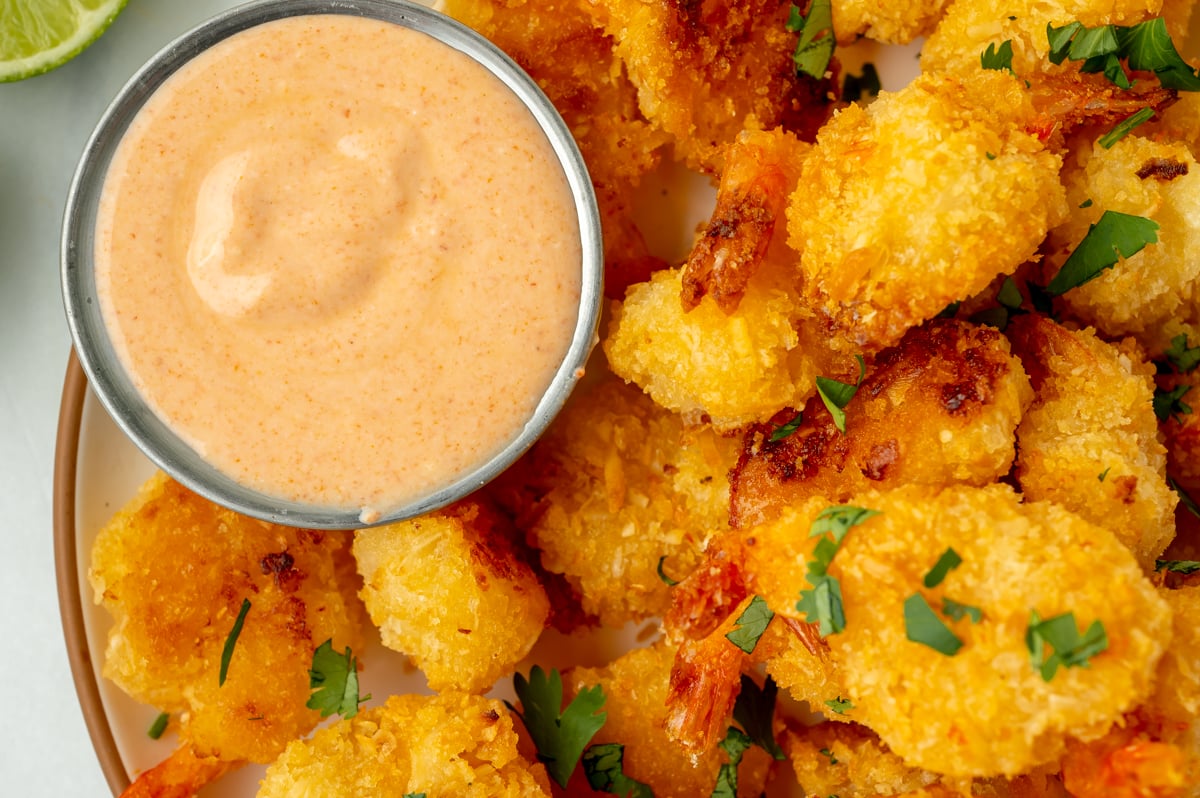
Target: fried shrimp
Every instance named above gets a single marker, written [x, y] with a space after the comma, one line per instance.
[617, 489]
[1016, 559]
[707, 70]
[891, 23]
[867, 767]
[911, 192]
[174, 570]
[432, 585]
[1090, 441]
[948, 387]
[445, 745]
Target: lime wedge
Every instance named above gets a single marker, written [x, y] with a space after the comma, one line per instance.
[38, 35]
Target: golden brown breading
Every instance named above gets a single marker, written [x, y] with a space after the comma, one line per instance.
[445, 746]
[891, 23]
[849, 761]
[1151, 295]
[1090, 440]
[906, 205]
[1176, 696]
[636, 688]
[939, 408]
[436, 584]
[798, 659]
[614, 486]
[1128, 762]
[173, 569]
[941, 713]
[729, 369]
[707, 70]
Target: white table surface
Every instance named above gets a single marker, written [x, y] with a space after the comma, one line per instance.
[44, 123]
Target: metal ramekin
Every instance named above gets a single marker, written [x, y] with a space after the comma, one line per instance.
[113, 385]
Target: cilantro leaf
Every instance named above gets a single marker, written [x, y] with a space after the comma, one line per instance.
[1125, 127]
[1170, 403]
[1187, 501]
[833, 760]
[1181, 357]
[785, 430]
[414, 795]
[998, 58]
[817, 41]
[1114, 236]
[559, 734]
[735, 744]
[604, 766]
[836, 394]
[956, 612]
[1184, 567]
[1104, 474]
[1149, 48]
[855, 86]
[1009, 295]
[159, 726]
[668, 581]
[334, 681]
[1070, 649]
[945, 564]
[840, 705]
[751, 624]
[921, 625]
[822, 604]
[1060, 40]
[754, 711]
[795, 20]
[838, 520]
[231, 641]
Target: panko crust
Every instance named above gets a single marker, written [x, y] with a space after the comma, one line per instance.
[729, 369]
[939, 408]
[916, 193]
[636, 687]
[616, 485]
[985, 711]
[890, 23]
[1151, 295]
[1090, 440]
[1177, 691]
[864, 766]
[173, 569]
[435, 586]
[451, 745]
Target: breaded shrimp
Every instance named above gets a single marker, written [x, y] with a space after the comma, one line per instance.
[891, 23]
[441, 746]
[707, 70]
[941, 407]
[1151, 295]
[1125, 763]
[1176, 698]
[907, 204]
[174, 569]
[704, 364]
[849, 761]
[941, 712]
[181, 775]
[635, 686]
[434, 586]
[615, 486]
[1090, 441]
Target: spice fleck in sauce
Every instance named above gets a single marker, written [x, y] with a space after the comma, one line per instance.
[340, 259]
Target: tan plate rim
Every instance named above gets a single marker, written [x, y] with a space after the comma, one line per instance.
[66, 566]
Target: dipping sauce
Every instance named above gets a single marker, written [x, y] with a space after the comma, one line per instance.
[340, 259]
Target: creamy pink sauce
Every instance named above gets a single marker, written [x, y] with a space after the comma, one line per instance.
[340, 259]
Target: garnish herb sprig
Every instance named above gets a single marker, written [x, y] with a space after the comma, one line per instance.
[751, 624]
[1114, 236]
[231, 642]
[560, 734]
[823, 603]
[333, 679]
[1071, 650]
[836, 394]
[815, 48]
[604, 767]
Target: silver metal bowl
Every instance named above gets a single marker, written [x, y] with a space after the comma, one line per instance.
[95, 348]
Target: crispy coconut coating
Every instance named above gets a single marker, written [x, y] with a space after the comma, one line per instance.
[616, 485]
[948, 387]
[891, 23]
[636, 689]
[798, 659]
[441, 746]
[173, 570]
[1090, 440]
[730, 369]
[1177, 692]
[942, 713]
[850, 761]
[1128, 762]
[1151, 295]
[906, 205]
[435, 586]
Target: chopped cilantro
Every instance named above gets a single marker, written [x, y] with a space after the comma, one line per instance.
[921, 625]
[231, 641]
[1181, 357]
[855, 86]
[735, 744]
[823, 604]
[1009, 295]
[1184, 567]
[836, 395]
[604, 766]
[956, 612]
[414, 795]
[1104, 474]
[1070, 649]
[1168, 404]
[1149, 48]
[990, 156]
[1114, 236]
[1146, 46]
[1125, 127]
[1187, 501]
[1087, 203]
[817, 41]
[833, 760]
[795, 20]
[559, 734]
[158, 726]
[840, 705]
[668, 581]
[754, 711]
[998, 58]
[785, 430]
[334, 681]
[945, 564]
[751, 624]
[837, 521]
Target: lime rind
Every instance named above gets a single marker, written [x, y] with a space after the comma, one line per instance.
[91, 24]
